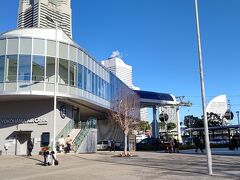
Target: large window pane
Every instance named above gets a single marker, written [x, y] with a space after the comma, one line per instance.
[80, 76]
[63, 71]
[93, 83]
[73, 73]
[24, 70]
[105, 89]
[85, 79]
[2, 65]
[102, 88]
[50, 69]
[38, 68]
[98, 86]
[89, 82]
[11, 68]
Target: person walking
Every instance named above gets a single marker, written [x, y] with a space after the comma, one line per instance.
[68, 141]
[112, 145]
[175, 146]
[171, 145]
[234, 143]
[198, 144]
[29, 147]
[61, 144]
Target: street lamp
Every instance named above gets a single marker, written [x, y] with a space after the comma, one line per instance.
[207, 145]
[55, 87]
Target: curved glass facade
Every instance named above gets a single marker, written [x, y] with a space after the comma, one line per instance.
[28, 62]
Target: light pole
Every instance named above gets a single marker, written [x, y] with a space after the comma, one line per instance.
[55, 87]
[207, 145]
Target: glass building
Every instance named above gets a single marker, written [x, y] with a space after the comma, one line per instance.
[85, 88]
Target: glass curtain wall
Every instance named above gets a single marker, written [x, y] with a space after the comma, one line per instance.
[2, 65]
[35, 66]
[50, 69]
[11, 68]
[73, 74]
[63, 71]
[80, 76]
[24, 69]
[38, 66]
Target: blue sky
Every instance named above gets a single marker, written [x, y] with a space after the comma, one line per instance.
[158, 38]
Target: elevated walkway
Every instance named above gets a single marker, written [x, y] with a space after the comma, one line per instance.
[154, 100]
[150, 99]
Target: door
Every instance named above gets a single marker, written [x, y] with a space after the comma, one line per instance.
[22, 139]
[76, 118]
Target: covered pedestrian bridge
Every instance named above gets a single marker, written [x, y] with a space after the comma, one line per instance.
[154, 100]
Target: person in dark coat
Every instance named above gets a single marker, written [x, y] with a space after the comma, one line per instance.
[29, 147]
[112, 145]
[175, 146]
[198, 144]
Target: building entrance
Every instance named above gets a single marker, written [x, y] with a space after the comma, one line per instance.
[76, 118]
[21, 146]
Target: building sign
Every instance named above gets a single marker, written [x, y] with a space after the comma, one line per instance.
[39, 121]
[63, 111]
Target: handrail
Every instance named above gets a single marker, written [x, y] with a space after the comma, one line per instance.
[80, 137]
[66, 130]
[85, 127]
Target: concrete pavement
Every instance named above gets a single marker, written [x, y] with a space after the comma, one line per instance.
[108, 166]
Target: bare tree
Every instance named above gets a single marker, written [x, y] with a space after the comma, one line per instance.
[125, 111]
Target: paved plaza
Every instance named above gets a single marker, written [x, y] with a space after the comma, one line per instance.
[107, 165]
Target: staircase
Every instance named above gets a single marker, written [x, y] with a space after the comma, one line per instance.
[84, 139]
[79, 138]
[74, 133]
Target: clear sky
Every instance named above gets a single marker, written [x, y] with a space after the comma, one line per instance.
[158, 38]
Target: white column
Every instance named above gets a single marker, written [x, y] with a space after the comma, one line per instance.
[178, 125]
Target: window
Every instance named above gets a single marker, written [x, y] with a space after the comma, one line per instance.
[24, 70]
[11, 68]
[38, 66]
[85, 78]
[98, 86]
[73, 73]
[50, 69]
[63, 71]
[93, 83]
[80, 76]
[89, 82]
[2, 64]
[102, 88]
